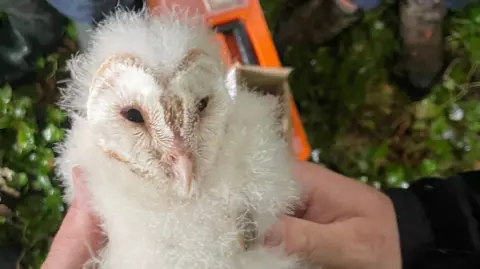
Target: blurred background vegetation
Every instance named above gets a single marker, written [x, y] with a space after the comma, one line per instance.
[358, 119]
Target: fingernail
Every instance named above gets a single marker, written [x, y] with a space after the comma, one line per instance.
[274, 237]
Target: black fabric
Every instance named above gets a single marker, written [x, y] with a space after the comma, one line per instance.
[414, 227]
[439, 222]
[9, 256]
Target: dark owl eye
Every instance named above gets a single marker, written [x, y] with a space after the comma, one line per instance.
[133, 115]
[202, 104]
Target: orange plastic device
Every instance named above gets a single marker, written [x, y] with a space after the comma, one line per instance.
[245, 37]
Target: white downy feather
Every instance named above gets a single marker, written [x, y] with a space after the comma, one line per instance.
[243, 163]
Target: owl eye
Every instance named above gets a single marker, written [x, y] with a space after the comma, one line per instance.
[202, 104]
[133, 115]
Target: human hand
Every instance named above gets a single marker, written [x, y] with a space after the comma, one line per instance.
[79, 235]
[345, 224]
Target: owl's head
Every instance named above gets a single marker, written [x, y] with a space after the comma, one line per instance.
[157, 100]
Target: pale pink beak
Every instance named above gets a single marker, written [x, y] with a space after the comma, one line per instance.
[185, 171]
[183, 164]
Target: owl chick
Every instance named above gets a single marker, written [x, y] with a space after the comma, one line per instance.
[181, 173]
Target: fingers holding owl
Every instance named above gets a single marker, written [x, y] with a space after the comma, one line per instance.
[79, 236]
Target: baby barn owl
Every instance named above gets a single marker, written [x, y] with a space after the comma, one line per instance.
[181, 174]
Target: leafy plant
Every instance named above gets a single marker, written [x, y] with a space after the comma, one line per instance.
[30, 124]
[362, 124]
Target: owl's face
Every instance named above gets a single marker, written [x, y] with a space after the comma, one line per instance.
[167, 128]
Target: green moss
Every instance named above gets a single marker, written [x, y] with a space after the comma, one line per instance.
[362, 124]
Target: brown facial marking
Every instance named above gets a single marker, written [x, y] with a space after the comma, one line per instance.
[189, 58]
[142, 173]
[128, 59]
[113, 155]
[173, 105]
[133, 168]
[173, 112]
[156, 154]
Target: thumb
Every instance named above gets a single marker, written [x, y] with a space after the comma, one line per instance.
[79, 236]
[319, 244]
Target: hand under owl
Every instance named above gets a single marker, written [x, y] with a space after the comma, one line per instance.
[79, 235]
[326, 189]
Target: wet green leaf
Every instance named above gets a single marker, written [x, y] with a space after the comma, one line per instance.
[55, 115]
[395, 175]
[428, 167]
[439, 127]
[21, 106]
[25, 138]
[449, 84]
[45, 160]
[19, 181]
[40, 63]
[19, 111]
[43, 182]
[427, 109]
[52, 60]
[72, 31]
[52, 133]
[5, 94]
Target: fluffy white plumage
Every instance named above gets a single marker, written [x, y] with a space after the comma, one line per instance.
[240, 163]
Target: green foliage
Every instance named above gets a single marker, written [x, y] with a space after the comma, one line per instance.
[27, 151]
[361, 123]
[358, 120]
[30, 124]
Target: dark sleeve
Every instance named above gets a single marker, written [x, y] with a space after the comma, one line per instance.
[439, 222]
